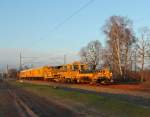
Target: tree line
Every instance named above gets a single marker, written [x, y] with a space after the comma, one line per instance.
[124, 51]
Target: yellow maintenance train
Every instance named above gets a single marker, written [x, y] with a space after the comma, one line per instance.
[75, 72]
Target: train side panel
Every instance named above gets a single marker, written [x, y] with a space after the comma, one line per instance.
[34, 73]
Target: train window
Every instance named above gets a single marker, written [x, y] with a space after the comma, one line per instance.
[76, 67]
[65, 67]
[69, 67]
[58, 67]
[83, 67]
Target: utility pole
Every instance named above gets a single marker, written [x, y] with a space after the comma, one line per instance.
[7, 68]
[135, 61]
[20, 62]
[64, 59]
[131, 64]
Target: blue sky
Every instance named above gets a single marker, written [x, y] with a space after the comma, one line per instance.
[29, 24]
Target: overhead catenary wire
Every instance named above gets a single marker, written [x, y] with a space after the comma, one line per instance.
[72, 15]
[64, 21]
[25, 61]
[60, 24]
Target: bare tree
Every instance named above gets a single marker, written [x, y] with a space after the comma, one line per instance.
[143, 45]
[91, 54]
[107, 58]
[120, 37]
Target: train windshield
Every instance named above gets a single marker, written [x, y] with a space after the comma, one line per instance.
[76, 67]
[83, 68]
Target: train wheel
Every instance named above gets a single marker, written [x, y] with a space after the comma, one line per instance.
[68, 80]
[78, 81]
[74, 80]
[94, 81]
[62, 80]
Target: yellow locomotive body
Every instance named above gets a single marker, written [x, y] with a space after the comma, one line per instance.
[75, 72]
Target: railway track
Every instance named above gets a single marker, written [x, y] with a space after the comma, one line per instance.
[8, 106]
[31, 105]
[21, 106]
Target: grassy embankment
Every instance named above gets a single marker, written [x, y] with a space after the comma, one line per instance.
[88, 103]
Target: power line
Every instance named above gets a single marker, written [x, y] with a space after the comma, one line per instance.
[58, 26]
[70, 17]
[30, 57]
[64, 59]
[22, 58]
[26, 60]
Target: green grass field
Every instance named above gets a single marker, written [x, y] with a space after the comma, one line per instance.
[92, 104]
